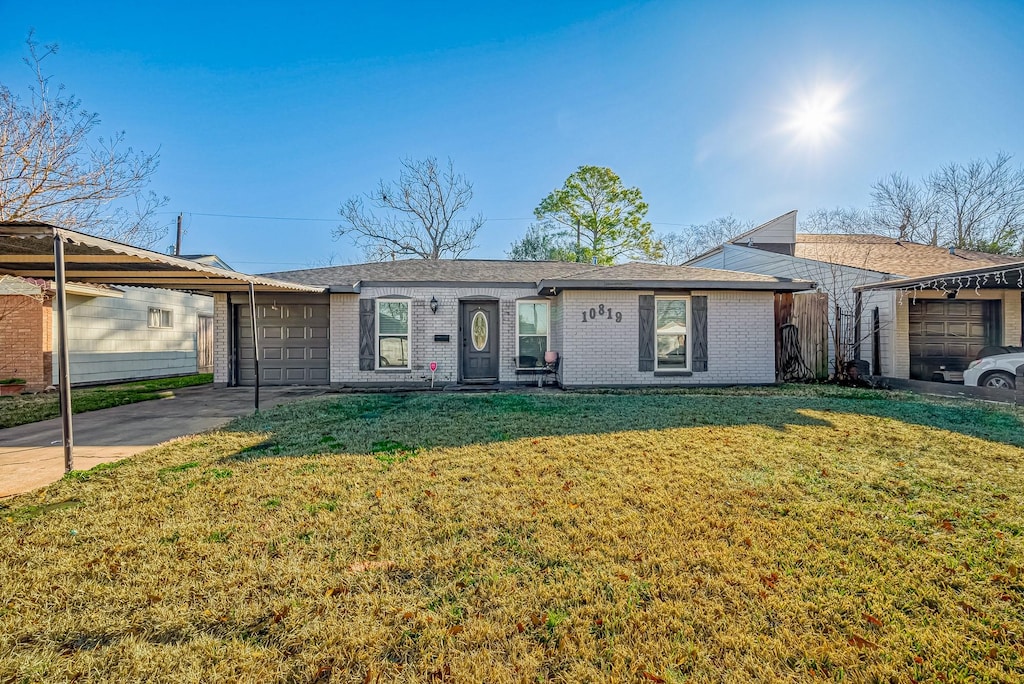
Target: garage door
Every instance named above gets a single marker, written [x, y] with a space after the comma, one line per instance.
[293, 341]
[948, 334]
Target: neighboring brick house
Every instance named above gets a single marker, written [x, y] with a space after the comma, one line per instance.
[480, 321]
[910, 310]
[114, 334]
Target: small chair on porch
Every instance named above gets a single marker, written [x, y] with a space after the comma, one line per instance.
[529, 368]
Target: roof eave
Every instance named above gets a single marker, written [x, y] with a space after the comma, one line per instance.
[772, 286]
[918, 280]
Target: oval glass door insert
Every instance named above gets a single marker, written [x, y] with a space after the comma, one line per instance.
[479, 329]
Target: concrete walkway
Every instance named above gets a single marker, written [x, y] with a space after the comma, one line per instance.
[31, 456]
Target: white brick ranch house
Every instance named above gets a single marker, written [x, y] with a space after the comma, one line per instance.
[385, 324]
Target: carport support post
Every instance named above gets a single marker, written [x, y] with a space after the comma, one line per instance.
[255, 342]
[64, 365]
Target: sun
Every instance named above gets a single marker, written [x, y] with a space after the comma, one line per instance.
[817, 116]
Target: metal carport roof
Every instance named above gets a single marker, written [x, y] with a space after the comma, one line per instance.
[34, 249]
[27, 250]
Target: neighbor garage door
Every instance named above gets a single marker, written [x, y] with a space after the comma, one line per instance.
[293, 341]
[949, 334]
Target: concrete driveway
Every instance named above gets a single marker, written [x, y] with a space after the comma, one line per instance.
[31, 455]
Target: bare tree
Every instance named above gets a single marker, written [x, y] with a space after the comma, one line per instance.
[839, 221]
[51, 168]
[904, 210]
[978, 206]
[981, 204]
[418, 214]
[698, 238]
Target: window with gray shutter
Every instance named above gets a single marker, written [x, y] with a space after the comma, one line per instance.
[699, 330]
[646, 361]
[367, 354]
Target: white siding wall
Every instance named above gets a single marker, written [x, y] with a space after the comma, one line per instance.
[837, 281]
[781, 230]
[741, 341]
[109, 338]
[885, 300]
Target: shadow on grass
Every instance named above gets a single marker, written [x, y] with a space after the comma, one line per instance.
[379, 422]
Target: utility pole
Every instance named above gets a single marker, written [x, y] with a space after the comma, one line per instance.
[578, 252]
[177, 245]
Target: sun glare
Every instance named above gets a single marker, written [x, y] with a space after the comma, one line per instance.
[816, 118]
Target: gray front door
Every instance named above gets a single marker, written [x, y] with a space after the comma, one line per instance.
[479, 327]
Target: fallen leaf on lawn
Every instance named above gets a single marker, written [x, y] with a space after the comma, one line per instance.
[947, 525]
[967, 608]
[323, 674]
[623, 576]
[861, 642]
[520, 627]
[335, 590]
[456, 629]
[919, 660]
[407, 615]
[652, 677]
[872, 619]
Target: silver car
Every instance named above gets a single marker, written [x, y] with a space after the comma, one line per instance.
[999, 371]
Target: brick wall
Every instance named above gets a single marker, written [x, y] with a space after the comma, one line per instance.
[425, 325]
[221, 347]
[605, 352]
[26, 342]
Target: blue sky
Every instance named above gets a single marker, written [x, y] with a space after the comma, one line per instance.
[261, 111]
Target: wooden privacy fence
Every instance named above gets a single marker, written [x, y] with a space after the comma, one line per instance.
[801, 336]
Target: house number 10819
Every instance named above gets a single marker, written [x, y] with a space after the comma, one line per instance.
[601, 311]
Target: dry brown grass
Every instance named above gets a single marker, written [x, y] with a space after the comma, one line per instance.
[831, 542]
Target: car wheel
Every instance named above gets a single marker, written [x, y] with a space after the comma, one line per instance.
[999, 380]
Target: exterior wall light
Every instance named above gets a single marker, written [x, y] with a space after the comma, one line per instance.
[433, 305]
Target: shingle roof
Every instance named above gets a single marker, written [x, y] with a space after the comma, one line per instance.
[653, 276]
[538, 273]
[431, 271]
[891, 256]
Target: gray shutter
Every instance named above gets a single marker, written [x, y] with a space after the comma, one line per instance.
[699, 327]
[646, 362]
[367, 356]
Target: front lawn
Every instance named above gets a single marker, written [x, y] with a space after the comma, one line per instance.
[524, 537]
[31, 408]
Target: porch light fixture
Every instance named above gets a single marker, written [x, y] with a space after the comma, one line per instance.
[433, 305]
